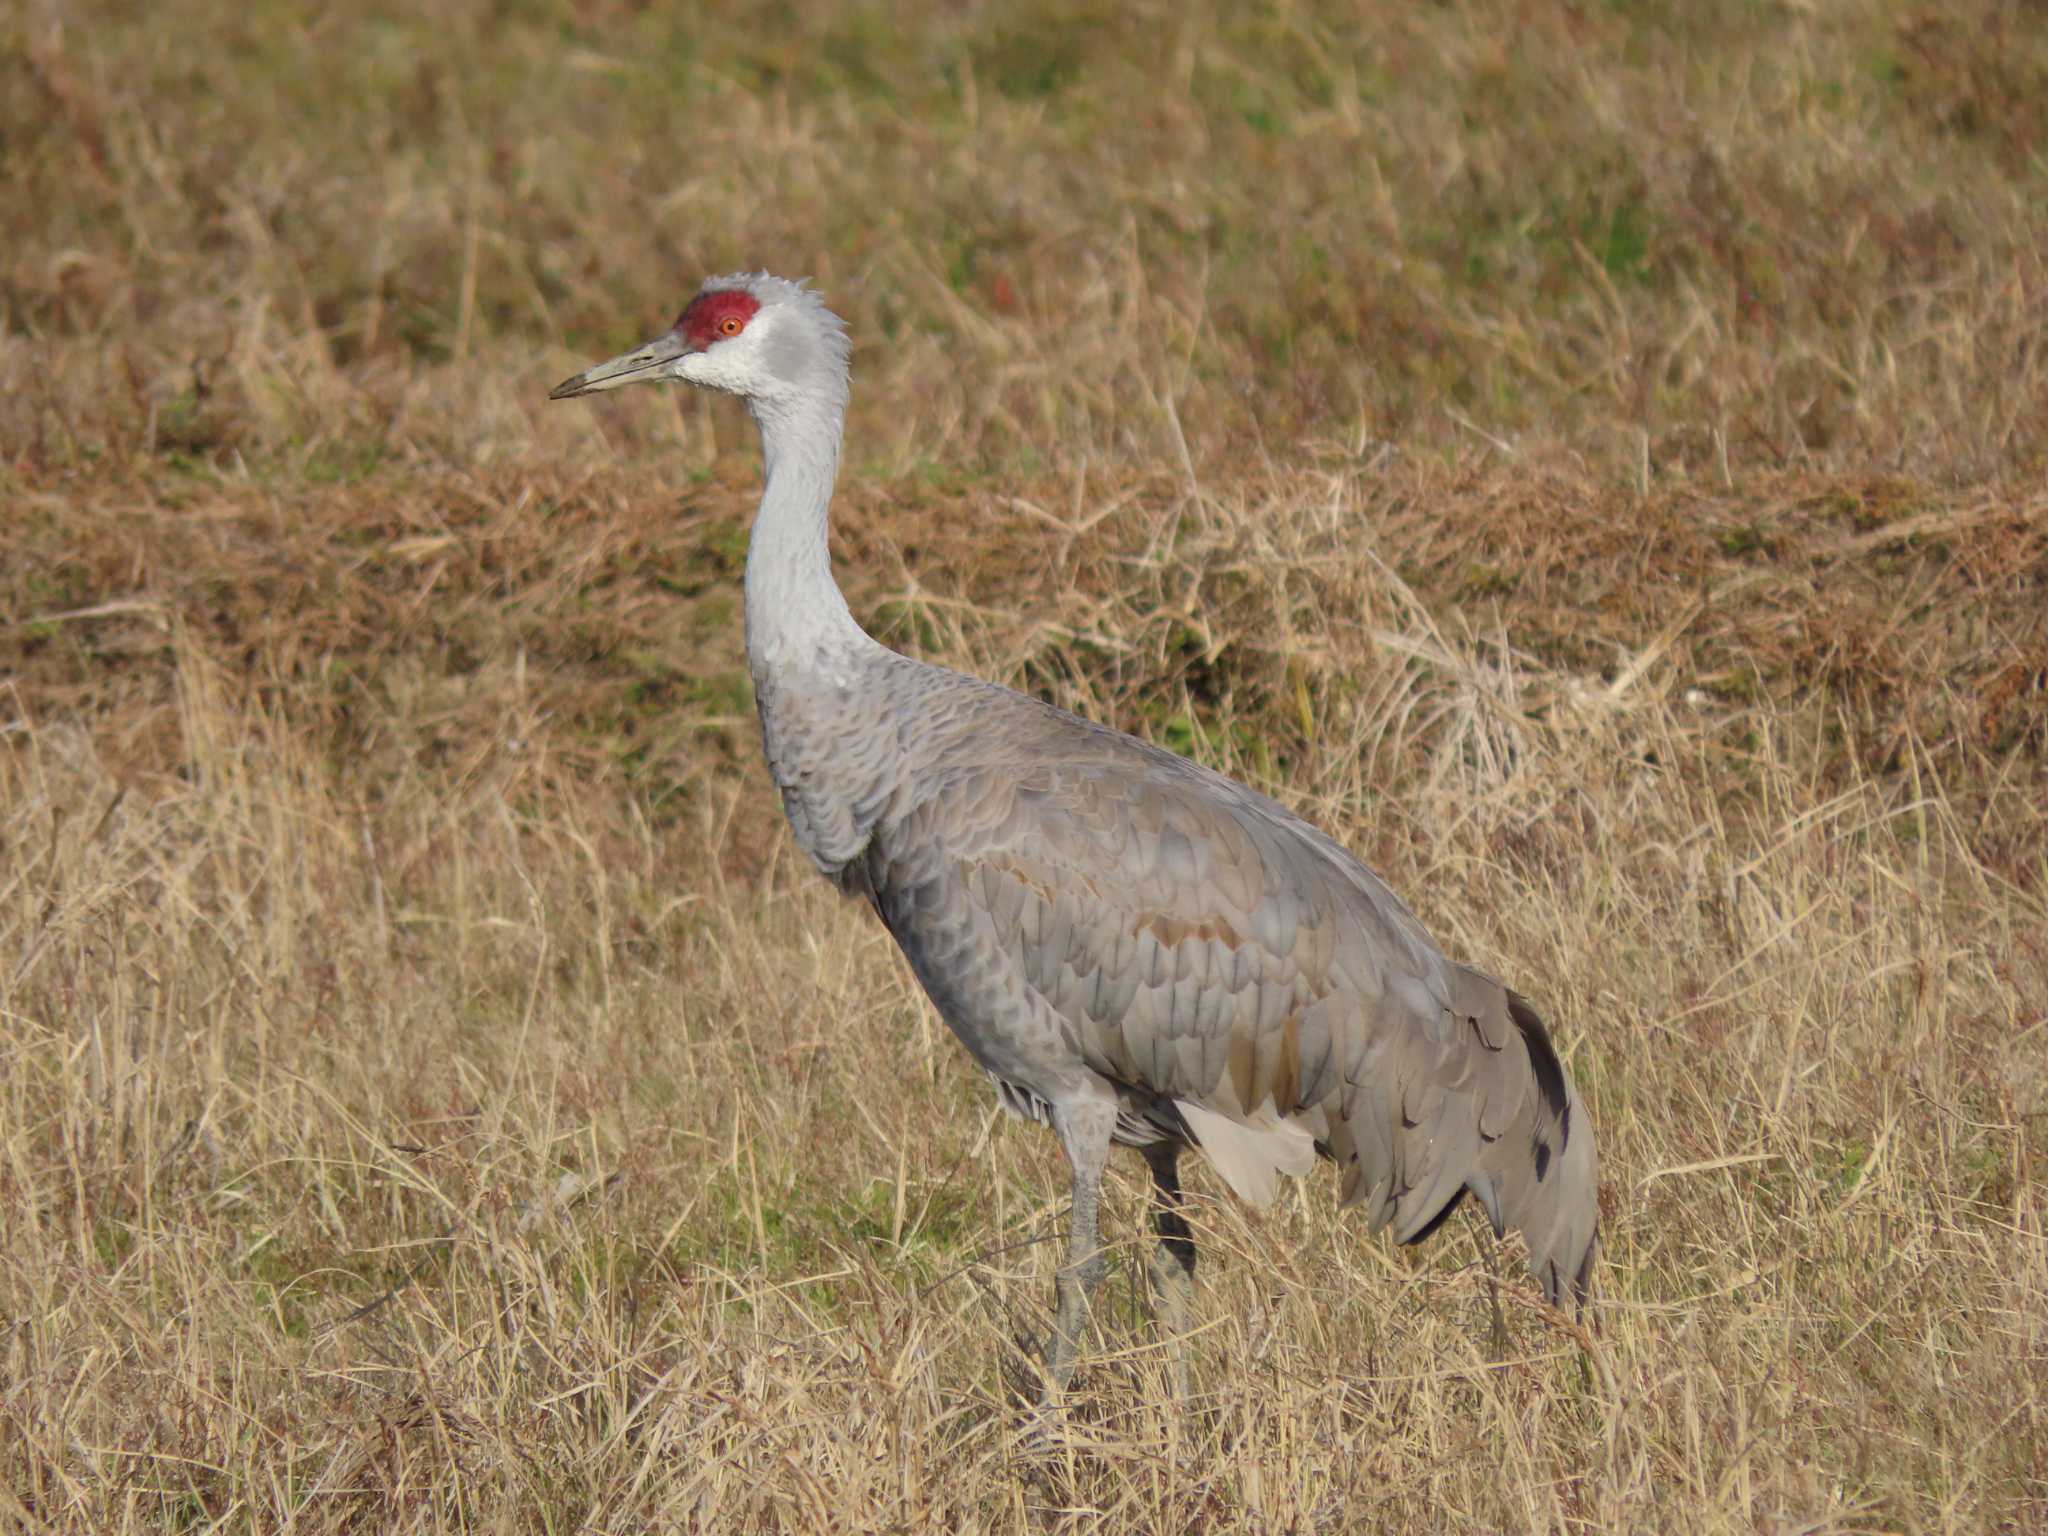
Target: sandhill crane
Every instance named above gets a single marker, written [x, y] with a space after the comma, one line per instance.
[1136, 949]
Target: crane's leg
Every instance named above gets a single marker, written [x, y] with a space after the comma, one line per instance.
[1172, 1269]
[1085, 1126]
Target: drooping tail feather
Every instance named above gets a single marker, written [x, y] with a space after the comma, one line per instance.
[1496, 1115]
[1541, 1175]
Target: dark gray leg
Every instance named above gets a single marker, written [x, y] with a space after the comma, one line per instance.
[1085, 1128]
[1172, 1269]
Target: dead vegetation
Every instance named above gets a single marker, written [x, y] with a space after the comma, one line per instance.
[1590, 461]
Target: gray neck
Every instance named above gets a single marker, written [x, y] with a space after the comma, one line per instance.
[796, 618]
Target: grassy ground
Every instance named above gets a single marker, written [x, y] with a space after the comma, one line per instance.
[1590, 459]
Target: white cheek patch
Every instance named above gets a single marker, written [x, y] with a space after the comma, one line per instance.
[788, 354]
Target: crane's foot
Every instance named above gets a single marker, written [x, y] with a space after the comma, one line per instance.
[1173, 1303]
[1077, 1283]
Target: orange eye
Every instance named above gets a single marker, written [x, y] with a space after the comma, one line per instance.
[731, 325]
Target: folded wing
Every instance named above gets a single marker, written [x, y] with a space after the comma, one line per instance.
[1200, 945]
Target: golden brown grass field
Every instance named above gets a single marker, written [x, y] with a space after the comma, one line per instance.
[1593, 458]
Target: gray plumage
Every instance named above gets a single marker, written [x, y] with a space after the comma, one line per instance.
[1134, 947]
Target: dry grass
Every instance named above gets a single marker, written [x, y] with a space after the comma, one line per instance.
[1590, 461]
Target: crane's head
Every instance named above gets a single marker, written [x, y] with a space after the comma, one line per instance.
[765, 338]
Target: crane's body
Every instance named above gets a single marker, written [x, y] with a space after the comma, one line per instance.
[1136, 949]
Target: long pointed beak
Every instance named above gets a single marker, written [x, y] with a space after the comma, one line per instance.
[642, 363]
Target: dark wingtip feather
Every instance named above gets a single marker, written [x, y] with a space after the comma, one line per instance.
[1542, 1059]
[1443, 1214]
[1582, 1282]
